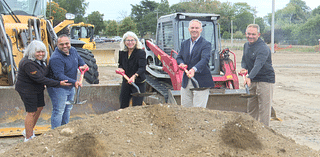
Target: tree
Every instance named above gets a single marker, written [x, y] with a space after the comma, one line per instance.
[227, 13]
[315, 11]
[112, 28]
[244, 16]
[127, 24]
[197, 6]
[226, 35]
[144, 15]
[57, 13]
[261, 23]
[278, 36]
[309, 32]
[96, 19]
[238, 35]
[77, 7]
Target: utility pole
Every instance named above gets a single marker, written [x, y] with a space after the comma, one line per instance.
[231, 33]
[254, 16]
[272, 27]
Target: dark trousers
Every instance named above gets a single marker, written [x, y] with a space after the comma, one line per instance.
[127, 90]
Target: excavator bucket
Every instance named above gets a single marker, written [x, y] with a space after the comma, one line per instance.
[219, 99]
[100, 99]
[106, 57]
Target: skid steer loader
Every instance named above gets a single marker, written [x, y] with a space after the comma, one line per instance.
[22, 21]
[164, 75]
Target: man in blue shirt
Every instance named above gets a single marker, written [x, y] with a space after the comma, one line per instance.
[64, 63]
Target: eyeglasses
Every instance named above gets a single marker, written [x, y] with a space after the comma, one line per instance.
[128, 41]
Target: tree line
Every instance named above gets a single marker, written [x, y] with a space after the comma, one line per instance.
[296, 23]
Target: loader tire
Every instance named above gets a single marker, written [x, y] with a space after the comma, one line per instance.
[92, 75]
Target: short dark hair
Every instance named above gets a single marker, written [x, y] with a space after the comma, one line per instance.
[63, 35]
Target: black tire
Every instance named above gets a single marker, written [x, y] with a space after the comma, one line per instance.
[92, 75]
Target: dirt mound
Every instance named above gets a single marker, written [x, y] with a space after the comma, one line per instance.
[162, 130]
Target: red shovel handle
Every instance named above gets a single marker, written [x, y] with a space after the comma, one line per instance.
[245, 74]
[185, 70]
[123, 74]
[82, 73]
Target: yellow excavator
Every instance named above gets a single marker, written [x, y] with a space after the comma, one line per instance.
[78, 31]
[22, 21]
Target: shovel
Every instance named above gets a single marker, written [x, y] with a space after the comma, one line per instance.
[78, 102]
[193, 79]
[247, 95]
[137, 94]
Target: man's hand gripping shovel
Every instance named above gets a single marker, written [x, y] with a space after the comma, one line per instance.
[137, 94]
[247, 95]
[192, 78]
[78, 102]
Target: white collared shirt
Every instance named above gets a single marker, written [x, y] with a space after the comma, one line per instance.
[193, 43]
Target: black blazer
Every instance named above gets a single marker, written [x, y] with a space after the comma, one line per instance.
[135, 64]
[32, 77]
[199, 58]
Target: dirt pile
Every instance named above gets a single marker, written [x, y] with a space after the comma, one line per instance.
[162, 130]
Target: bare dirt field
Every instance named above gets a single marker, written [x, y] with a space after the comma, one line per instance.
[166, 130]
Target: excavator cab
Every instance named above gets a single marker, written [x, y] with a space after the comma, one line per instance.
[83, 32]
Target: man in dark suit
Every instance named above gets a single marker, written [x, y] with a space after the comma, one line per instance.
[195, 54]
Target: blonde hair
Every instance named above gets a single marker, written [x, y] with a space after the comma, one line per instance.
[34, 47]
[123, 47]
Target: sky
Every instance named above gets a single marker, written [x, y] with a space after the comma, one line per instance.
[118, 9]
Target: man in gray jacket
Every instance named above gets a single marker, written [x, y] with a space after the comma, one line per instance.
[256, 61]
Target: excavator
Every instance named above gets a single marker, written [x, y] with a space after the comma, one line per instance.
[164, 75]
[22, 21]
[78, 31]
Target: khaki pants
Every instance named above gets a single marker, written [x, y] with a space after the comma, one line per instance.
[259, 106]
[194, 98]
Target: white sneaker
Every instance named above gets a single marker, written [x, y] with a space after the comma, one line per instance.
[24, 134]
[26, 140]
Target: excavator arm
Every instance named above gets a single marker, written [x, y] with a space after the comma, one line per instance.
[169, 64]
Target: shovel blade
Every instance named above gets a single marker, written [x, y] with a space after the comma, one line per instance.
[80, 103]
[143, 94]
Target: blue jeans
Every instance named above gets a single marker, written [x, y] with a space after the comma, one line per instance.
[60, 109]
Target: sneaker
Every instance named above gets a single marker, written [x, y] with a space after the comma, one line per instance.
[26, 140]
[24, 134]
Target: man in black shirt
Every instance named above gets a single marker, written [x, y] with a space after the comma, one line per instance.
[256, 61]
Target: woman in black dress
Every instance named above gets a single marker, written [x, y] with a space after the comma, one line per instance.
[132, 61]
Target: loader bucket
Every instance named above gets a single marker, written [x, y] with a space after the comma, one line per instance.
[219, 99]
[100, 99]
[106, 57]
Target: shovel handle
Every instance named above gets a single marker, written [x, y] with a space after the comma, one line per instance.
[185, 70]
[124, 75]
[127, 78]
[244, 76]
[82, 73]
[192, 78]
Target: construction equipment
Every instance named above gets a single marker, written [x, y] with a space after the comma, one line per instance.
[164, 75]
[78, 31]
[21, 22]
